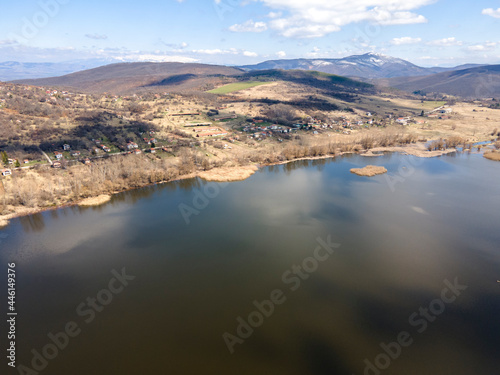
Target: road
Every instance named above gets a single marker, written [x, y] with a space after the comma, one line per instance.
[46, 156]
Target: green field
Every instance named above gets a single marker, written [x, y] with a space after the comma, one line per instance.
[433, 104]
[233, 87]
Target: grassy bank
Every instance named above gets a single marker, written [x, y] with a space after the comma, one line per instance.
[238, 86]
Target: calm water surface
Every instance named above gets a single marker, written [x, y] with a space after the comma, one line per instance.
[401, 237]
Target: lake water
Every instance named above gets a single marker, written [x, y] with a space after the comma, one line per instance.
[407, 261]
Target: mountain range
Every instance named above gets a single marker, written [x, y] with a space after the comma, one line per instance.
[479, 82]
[468, 81]
[129, 77]
[367, 66]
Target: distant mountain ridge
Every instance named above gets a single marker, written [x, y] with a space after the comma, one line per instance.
[127, 77]
[478, 82]
[367, 66]
[13, 70]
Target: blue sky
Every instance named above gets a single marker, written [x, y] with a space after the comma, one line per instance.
[426, 32]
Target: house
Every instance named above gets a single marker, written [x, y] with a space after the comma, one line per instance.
[153, 151]
[56, 164]
[226, 117]
[86, 161]
[186, 114]
[76, 154]
[106, 149]
[403, 120]
[6, 172]
[66, 147]
[132, 145]
[11, 161]
[26, 161]
[58, 155]
[137, 152]
[212, 134]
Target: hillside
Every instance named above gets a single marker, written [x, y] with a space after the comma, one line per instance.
[368, 66]
[479, 82]
[131, 77]
[178, 77]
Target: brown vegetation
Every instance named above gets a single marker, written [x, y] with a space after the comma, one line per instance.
[369, 171]
[494, 155]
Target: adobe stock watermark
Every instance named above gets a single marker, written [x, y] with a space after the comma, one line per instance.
[31, 26]
[420, 321]
[201, 200]
[406, 169]
[86, 310]
[222, 7]
[363, 37]
[293, 278]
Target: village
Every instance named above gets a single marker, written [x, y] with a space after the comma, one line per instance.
[159, 124]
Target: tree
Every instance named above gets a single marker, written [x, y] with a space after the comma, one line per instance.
[5, 158]
[17, 164]
[282, 114]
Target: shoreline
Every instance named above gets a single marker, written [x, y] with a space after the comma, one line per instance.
[224, 174]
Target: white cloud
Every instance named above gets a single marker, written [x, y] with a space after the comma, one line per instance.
[155, 58]
[446, 42]
[229, 51]
[488, 46]
[215, 51]
[405, 40]
[317, 18]
[274, 14]
[249, 27]
[281, 54]
[492, 12]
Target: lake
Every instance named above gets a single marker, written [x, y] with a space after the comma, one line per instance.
[304, 268]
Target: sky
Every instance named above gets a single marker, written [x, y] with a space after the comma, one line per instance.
[237, 32]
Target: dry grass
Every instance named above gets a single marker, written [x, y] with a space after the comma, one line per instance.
[229, 174]
[3, 222]
[95, 201]
[494, 155]
[369, 171]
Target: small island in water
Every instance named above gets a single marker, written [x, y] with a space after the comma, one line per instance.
[369, 171]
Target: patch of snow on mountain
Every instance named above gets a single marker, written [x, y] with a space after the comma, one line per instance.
[321, 63]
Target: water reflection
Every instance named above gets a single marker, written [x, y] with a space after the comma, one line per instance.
[194, 281]
[35, 222]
